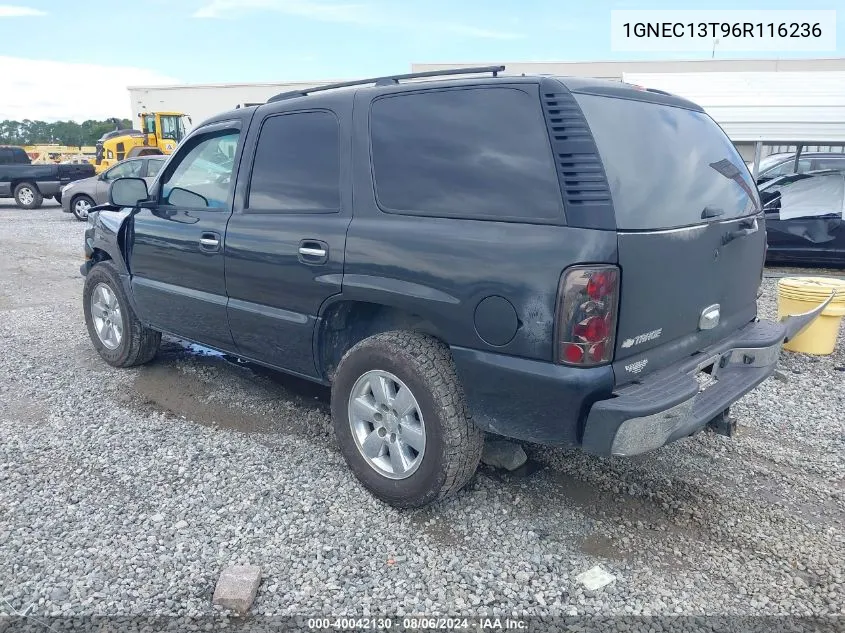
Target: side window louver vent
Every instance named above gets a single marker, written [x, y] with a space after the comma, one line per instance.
[579, 168]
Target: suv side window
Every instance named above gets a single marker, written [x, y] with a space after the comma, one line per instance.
[203, 178]
[468, 153]
[297, 165]
[5, 156]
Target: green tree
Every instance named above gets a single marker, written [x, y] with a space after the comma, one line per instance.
[28, 132]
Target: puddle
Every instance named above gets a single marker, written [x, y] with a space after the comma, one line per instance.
[604, 505]
[165, 388]
[602, 547]
[437, 529]
[296, 387]
[240, 399]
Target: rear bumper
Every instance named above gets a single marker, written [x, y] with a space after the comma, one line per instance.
[669, 404]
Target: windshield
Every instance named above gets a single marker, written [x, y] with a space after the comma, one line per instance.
[667, 166]
[172, 127]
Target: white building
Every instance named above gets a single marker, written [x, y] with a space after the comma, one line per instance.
[786, 100]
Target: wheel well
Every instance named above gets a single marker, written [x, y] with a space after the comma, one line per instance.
[346, 323]
[99, 255]
[79, 195]
[13, 185]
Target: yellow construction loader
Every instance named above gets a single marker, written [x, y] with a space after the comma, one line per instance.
[160, 133]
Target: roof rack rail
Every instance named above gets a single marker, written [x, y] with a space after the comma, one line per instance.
[390, 80]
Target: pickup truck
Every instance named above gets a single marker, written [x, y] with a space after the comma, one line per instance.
[29, 184]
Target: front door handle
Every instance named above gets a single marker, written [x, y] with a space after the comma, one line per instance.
[313, 252]
[210, 241]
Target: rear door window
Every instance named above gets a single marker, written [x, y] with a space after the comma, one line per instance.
[297, 165]
[470, 153]
[667, 164]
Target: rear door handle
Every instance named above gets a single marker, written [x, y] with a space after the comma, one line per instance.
[748, 228]
[313, 252]
[210, 241]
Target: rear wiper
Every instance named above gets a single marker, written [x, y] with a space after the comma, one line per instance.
[712, 212]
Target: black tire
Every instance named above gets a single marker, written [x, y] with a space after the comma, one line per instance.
[27, 196]
[58, 198]
[452, 442]
[80, 198]
[139, 343]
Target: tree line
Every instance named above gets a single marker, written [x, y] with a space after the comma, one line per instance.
[29, 132]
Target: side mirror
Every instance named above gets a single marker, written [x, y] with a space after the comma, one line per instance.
[128, 192]
[179, 197]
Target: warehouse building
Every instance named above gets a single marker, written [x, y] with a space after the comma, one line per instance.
[771, 100]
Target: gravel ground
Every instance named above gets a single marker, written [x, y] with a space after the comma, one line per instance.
[125, 492]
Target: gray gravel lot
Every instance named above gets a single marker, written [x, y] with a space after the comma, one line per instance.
[125, 492]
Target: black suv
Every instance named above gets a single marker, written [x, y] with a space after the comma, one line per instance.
[565, 261]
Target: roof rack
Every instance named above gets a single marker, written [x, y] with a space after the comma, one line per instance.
[388, 81]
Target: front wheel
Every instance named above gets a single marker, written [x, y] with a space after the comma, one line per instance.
[117, 334]
[80, 206]
[401, 421]
[27, 196]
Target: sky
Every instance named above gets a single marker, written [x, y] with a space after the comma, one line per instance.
[73, 59]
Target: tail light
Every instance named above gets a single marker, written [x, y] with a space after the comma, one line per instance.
[587, 303]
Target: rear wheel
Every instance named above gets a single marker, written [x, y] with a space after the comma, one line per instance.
[27, 196]
[80, 206]
[117, 334]
[400, 419]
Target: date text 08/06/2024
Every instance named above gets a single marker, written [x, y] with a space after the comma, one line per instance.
[416, 623]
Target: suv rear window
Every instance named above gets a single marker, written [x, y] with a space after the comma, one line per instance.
[467, 153]
[665, 164]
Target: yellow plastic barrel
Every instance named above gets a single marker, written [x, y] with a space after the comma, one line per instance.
[797, 295]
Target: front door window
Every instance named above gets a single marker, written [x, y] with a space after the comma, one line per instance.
[129, 169]
[203, 178]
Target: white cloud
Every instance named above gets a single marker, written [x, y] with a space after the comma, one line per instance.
[361, 14]
[347, 13]
[14, 11]
[51, 90]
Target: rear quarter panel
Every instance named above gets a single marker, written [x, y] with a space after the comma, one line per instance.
[441, 269]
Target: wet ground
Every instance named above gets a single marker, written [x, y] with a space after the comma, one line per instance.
[753, 524]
